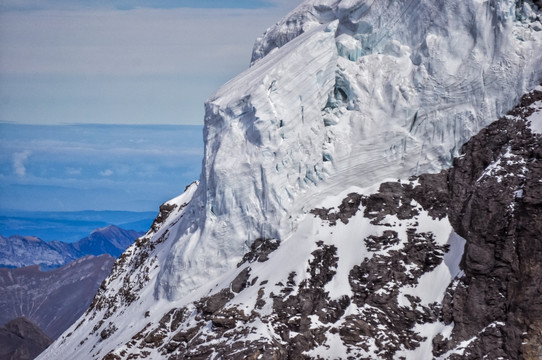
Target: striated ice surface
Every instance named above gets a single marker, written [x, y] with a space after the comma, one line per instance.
[344, 93]
[260, 134]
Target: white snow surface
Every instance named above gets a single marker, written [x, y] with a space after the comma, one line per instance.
[535, 119]
[346, 93]
[292, 256]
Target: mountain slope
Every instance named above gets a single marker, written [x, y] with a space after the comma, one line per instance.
[110, 240]
[18, 251]
[53, 300]
[347, 95]
[400, 269]
[380, 272]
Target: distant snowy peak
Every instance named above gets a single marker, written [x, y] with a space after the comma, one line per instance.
[19, 251]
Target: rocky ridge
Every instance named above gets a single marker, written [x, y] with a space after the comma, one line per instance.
[55, 299]
[495, 202]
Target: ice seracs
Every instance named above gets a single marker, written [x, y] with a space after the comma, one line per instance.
[260, 135]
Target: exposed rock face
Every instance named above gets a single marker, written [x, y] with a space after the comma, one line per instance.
[299, 312]
[495, 202]
[20, 339]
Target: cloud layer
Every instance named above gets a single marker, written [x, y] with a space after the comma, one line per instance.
[26, 5]
[96, 167]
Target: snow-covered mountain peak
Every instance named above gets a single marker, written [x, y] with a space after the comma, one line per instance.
[347, 93]
[341, 95]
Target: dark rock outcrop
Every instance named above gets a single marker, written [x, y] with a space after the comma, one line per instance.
[260, 250]
[20, 339]
[348, 208]
[495, 202]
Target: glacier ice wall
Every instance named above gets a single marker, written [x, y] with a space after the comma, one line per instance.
[345, 93]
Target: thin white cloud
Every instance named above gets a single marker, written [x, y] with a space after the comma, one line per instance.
[102, 167]
[73, 171]
[106, 172]
[19, 160]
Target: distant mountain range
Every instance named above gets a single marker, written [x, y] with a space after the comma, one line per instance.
[69, 226]
[18, 251]
[46, 286]
[55, 299]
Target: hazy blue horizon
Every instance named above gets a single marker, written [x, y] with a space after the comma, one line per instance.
[96, 167]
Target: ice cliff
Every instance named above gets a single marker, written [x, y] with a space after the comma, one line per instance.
[346, 93]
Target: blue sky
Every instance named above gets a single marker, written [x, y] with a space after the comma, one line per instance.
[127, 67]
[123, 61]
[132, 4]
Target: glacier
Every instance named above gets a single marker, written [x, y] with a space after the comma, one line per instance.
[346, 93]
[339, 94]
